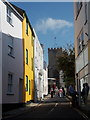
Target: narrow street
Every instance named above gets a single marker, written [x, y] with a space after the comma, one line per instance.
[57, 108]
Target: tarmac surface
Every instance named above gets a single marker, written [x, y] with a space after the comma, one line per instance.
[50, 108]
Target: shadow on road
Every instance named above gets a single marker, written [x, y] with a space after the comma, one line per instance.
[56, 99]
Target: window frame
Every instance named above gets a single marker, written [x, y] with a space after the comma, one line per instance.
[78, 8]
[26, 83]
[11, 46]
[32, 63]
[10, 83]
[9, 15]
[26, 27]
[27, 56]
[80, 39]
[86, 14]
[29, 87]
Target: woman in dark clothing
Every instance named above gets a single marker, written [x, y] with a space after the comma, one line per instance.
[63, 91]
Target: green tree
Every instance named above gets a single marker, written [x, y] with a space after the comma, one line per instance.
[66, 63]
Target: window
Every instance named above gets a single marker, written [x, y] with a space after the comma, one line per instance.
[9, 15]
[85, 13]
[29, 87]
[26, 83]
[32, 63]
[26, 56]
[78, 7]
[10, 83]
[10, 46]
[81, 42]
[26, 27]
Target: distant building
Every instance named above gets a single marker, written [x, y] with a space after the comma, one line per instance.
[82, 43]
[53, 72]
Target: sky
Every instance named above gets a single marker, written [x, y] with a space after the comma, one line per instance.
[52, 21]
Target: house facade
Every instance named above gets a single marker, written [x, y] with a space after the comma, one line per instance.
[45, 79]
[11, 54]
[28, 57]
[82, 43]
[38, 68]
[28, 48]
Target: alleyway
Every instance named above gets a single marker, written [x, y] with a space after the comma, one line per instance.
[57, 108]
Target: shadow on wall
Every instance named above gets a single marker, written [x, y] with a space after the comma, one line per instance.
[12, 56]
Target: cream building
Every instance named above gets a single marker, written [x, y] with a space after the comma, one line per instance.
[82, 43]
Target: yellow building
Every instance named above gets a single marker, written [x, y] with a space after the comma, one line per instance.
[28, 57]
[28, 47]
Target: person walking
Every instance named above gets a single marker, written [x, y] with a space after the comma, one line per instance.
[63, 91]
[85, 92]
[73, 94]
[56, 91]
[51, 92]
[60, 92]
[87, 89]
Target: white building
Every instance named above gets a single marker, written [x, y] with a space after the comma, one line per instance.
[38, 68]
[11, 54]
[45, 79]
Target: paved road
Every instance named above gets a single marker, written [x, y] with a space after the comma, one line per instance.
[52, 108]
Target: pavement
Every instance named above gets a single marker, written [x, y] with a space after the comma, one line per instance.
[19, 111]
[85, 108]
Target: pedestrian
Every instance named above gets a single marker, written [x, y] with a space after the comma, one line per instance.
[87, 89]
[51, 92]
[56, 91]
[63, 91]
[60, 92]
[73, 94]
[85, 92]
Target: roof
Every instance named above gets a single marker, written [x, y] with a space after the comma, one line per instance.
[18, 9]
[22, 13]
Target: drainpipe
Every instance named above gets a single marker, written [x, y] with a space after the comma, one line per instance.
[79, 90]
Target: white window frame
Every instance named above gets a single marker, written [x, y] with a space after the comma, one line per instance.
[11, 46]
[9, 15]
[10, 83]
[80, 41]
[86, 15]
[78, 7]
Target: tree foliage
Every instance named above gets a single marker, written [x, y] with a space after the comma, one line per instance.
[66, 63]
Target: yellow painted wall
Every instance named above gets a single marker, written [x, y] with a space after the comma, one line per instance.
[27, 44]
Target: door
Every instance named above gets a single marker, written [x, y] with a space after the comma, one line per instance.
[20, 90]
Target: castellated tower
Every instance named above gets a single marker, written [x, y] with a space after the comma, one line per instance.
[53, 54]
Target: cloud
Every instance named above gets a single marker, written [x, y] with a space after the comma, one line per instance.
[44, 25]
